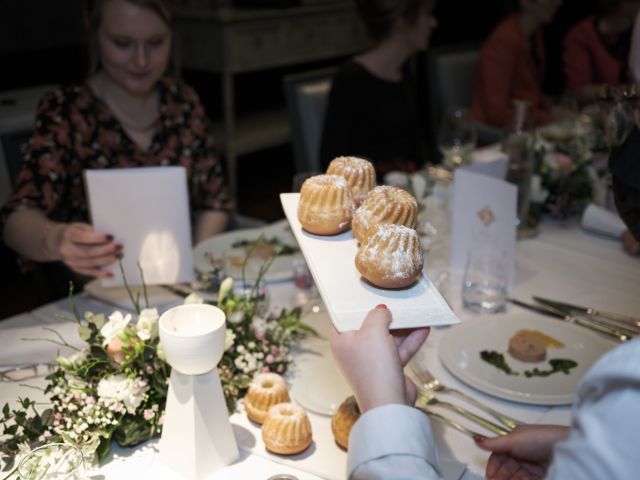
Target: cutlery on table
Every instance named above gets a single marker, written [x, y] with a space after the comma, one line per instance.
[449, 422]
[621, 334]
[428, 398]
[426, 382]
[590, 311]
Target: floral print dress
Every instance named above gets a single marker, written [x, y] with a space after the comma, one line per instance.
[75, 130]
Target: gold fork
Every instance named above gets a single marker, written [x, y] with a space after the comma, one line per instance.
[426, 382]
[428, 398]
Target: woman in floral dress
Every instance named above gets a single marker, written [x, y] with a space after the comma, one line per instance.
[131, 112]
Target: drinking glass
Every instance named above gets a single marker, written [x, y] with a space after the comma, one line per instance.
[484, 286]
[59, 461]
[456, 138]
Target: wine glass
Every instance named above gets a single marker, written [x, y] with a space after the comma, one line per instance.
[456, 138]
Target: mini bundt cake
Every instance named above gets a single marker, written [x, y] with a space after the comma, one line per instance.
[326, 205]
[343, 420]
[384, 204]
[391, 257]
[360, 175]
[265, 391]
[287, 429]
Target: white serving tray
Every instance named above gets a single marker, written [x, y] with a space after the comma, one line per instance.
[347, 297]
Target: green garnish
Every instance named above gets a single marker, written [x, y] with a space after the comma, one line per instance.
[283, 249]
[496, 359]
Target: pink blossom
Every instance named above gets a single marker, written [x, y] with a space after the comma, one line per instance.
[148, 414]
[269, 359]
[563, 162]
[280, 368]
[265, 369]
[161, 419]
[148, 369]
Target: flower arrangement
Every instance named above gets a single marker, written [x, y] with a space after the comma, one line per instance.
[115, 388]
[566, 173]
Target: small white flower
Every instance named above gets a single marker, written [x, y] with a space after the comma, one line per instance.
[117, 323]
[193, 298]
[147, 326]
[229, 338]
[225, 288]
[259, 326]
[120, 388]
[236, 317]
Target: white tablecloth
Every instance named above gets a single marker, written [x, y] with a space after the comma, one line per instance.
[562, 262]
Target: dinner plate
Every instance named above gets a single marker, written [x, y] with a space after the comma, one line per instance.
[221, 249]
[319, 387]
[159, 297]
[461, 346]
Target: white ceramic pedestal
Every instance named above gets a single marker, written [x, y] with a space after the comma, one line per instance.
[197, 438]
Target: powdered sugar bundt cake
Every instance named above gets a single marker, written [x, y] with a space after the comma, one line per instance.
[286, 429]
[391, 257]
[266, 390]
[326, 205]
[360, 175]
[343, 420]
[384, 204]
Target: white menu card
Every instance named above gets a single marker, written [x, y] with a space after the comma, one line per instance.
[482, 204]
[147, 210]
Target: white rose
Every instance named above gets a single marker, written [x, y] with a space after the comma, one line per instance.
[147, 326]
[117, 322]
[229, 338]
[236, 317]
[193, 298]
[120, 388]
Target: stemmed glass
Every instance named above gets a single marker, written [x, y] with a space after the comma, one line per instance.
[456, 138]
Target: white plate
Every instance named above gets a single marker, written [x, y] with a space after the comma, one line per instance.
[159, 297]
[319, 387]
[220, 247]
[461, 346]
[347, 296]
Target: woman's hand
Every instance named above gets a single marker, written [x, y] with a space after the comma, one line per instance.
[84, 250]
[524, 453]
[372, 360]
[629, 243]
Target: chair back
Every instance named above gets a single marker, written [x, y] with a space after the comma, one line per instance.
[307, 94]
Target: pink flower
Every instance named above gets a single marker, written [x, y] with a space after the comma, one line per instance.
[265, 369]
[269, 358]
[563, 162]
[280, 368]
[148, 414]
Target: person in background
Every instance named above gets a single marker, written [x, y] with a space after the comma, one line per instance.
[373, 108]
[511, 66]
[597, 48]
[132, 111]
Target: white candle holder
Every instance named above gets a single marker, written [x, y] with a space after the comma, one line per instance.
[197, 438]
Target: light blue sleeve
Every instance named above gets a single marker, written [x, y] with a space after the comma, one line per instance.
[392, 442]
[605, 435]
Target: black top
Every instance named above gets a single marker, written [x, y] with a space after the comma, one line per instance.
[624, 162]
[375, 119]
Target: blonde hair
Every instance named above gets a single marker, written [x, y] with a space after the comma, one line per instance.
[93, 12]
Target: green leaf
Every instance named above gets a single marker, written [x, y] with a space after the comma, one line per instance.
[103, 448]
[5, 410]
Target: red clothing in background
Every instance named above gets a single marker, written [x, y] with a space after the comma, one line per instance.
[507, 71]
[587, 58]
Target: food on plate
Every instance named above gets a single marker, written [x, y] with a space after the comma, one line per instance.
[266, 390]
[343, 420]
[265, 247]
[384, 204]
[497, 359]
[527, 348]
[359, 173]
[326, 205]
[286, 429]
[391, 257]
[549, 341]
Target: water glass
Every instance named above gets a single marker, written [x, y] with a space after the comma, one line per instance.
[484, 286]
[456, 138]
[59, 461]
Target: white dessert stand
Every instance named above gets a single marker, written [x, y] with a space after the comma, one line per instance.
[197, 438]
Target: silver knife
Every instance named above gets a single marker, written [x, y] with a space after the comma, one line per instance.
[621, 334]
[616, 317]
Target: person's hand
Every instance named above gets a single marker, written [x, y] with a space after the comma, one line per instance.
[629, 243]
[86, 251]
[372, 360]
[524, 453]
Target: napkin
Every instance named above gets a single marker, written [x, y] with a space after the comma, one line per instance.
[600, 220]
[28, 345]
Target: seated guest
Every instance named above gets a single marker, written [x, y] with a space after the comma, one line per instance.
[392, 440]
[597, 48]
[373, 109]
[511, 66]
[132, 111]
